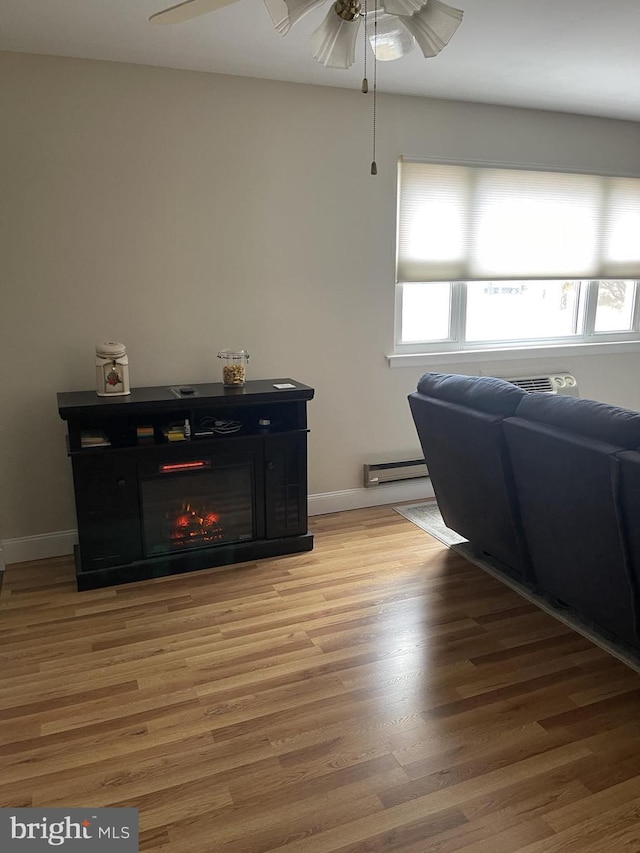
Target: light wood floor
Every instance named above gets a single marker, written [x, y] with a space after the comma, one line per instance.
[377, 694]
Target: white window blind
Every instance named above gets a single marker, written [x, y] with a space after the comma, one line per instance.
[468, 223]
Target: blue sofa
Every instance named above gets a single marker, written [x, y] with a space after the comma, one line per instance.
[548, 486]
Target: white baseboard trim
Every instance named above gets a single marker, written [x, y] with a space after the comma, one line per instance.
[45, 545]
[39, 547]
[389, 493]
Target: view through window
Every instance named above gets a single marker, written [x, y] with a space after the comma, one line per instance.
[517, 311]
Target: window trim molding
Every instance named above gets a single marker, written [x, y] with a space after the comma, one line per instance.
[530, 353]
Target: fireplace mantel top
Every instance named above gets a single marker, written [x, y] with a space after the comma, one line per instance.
[72, 404]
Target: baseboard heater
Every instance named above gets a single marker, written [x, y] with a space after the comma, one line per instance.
[394, 471]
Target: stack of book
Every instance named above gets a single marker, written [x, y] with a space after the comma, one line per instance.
[175, 432]
[144, 434]
[94, 438]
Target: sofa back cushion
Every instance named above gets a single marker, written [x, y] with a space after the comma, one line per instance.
[482, 393]
[588, 418]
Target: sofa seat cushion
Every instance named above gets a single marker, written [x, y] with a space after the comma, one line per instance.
[482, 393]
[599, 421]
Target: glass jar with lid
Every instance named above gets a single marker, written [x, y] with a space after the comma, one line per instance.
[234, 367]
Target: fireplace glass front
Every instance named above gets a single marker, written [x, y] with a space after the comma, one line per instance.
[197, 504]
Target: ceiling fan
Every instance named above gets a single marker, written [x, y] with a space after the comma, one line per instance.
[392, 26]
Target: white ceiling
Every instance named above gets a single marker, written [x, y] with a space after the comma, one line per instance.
[579, 56]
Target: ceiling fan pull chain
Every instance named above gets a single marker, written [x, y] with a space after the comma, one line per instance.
[374, 165]
[365, 82]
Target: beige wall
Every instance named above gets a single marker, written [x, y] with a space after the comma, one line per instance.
[183, 212]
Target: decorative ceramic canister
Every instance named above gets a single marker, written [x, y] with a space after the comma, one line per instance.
[234, 367]
[112, 369]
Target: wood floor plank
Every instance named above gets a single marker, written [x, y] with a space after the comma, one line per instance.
[379, 694]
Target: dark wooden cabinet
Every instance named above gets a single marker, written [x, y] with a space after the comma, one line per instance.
[155, 496]
[107, 509]
[286, 485]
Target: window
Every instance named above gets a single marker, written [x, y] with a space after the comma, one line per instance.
[490, 258]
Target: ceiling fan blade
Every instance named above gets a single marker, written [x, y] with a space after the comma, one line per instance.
[187, 10]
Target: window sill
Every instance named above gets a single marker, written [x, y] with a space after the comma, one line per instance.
[423, 359]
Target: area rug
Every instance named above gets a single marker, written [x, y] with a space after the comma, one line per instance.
[427, 517]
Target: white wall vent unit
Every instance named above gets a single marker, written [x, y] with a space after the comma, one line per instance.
[394, 471]
[553, 383]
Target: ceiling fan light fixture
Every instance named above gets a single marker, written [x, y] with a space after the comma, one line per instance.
[402, 7]
[348, 10]
[433, 26]
[392, 40]
[334, 42]
[431, 23]
[286, 13]
[279, 12]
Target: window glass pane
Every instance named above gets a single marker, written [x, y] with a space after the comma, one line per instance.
[516, 310]
[614, 310]
[426, 310]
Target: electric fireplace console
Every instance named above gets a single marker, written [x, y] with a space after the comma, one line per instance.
[181, 478]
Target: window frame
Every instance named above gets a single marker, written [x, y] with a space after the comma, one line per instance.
[457, 343]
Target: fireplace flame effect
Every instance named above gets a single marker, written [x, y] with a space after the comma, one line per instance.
[194, 526]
